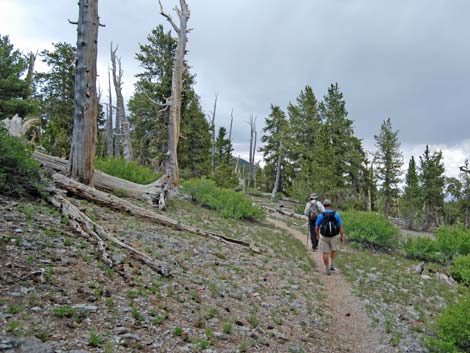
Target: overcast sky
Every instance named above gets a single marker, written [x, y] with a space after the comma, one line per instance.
[405, 59]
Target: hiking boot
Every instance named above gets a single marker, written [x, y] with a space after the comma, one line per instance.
[332, 268]
[327, 271]
[314, 248]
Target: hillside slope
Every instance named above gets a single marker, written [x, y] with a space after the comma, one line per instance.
[57, 296]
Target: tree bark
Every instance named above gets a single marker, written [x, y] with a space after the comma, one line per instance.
[82, 152]
[121, 111]
[176, 90]
[116, 203]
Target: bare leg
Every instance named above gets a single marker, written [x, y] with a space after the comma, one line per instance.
[326, 259]
[333, 257]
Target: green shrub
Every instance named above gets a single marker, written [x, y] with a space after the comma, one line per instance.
[19, 172]
[453, 240]
[423, 248]
[229, 203]
[370, 229]
[452, 329]
[460, 269]
[131, 171]
[449, 242]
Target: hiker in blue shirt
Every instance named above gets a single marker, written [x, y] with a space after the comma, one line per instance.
[327, 228]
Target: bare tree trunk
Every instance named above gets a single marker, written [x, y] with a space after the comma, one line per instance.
[254, 165]
[176, 90]
[230, 130]
[213, 134]
[121, 111]
[252, 123]
[29, 76]
[82, 152]
[109, 120]
[278, 172]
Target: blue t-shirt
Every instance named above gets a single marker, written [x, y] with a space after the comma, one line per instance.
[320, 218]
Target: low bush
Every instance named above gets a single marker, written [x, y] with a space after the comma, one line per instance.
[370, 229]
[453, 240]
[229, 203]
[460, 270]
[452, 329]
[449, 242]
[19, 172]
[423, 248]
[123, 169]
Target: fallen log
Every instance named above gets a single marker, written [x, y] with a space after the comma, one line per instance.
[116, 203]
[284, 212]
[154, 193]
[89, 229]
[287, 199]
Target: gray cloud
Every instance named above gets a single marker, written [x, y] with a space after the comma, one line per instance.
[407, 60]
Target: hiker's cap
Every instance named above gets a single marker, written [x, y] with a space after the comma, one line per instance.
[313, 196]
[326, 202]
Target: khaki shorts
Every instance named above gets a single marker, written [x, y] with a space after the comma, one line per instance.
[328, 244]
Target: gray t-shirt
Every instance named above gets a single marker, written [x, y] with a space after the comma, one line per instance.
[319, 205]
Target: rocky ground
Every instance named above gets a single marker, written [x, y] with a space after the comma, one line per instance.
[56, 295]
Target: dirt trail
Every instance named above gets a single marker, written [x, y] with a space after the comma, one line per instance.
[350, 329]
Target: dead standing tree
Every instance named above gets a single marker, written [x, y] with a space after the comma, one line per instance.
[252, 123]
[120, 111]
[109, 119]
[212, 120]
[278, 171]
[82, 152]
[231, 124]
[176, 90]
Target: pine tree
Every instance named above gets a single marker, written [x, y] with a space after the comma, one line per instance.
[340, 147]
[55, 91]
[275, 130]
[224, 174]
[149, 111]
[432, 183]
[389, 161]
[195, 143]
[411, 209]
[304, 122]
[13, 89]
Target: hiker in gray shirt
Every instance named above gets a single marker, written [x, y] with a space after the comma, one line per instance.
[312, 209]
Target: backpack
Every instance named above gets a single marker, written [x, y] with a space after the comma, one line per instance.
[313, 211]
[329, 225]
